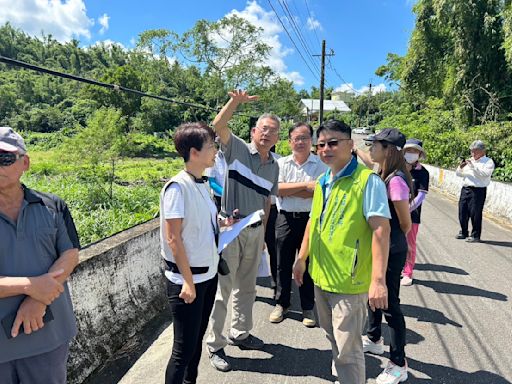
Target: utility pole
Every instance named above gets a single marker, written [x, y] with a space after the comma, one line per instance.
[368, 105]
[322, 78]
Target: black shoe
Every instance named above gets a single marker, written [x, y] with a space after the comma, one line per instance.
[471, 239]
[460, 236]
[218, 361]
[249, 343]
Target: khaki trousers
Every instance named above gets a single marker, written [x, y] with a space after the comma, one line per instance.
[243, 257]
[342, 317]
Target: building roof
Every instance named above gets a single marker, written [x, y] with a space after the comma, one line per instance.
[313, 105]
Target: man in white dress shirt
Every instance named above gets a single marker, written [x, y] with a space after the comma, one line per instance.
[297, 178]
[476, 173]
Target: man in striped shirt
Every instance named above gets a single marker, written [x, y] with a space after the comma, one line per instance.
[251, 179]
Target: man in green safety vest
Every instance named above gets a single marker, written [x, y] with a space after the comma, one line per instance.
[347, 242]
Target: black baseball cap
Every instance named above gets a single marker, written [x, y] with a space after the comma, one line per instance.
[389, 135]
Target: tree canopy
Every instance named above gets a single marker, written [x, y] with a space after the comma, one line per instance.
[198, 67]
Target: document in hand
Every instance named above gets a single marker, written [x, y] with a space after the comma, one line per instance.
[230, 233]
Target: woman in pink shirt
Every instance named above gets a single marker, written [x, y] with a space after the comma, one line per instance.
[386, 150]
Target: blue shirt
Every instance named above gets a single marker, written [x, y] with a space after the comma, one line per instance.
[375, 199]
[28, 247]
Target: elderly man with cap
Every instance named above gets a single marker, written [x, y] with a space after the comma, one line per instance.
[38, 251]
[413, 153]
[476, 173]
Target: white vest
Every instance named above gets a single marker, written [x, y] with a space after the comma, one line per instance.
[197, 231]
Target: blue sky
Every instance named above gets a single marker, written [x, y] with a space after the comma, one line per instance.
[361, 32]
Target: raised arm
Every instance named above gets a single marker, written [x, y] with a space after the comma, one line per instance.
[482, 169]
[364, 156]
[220, 123]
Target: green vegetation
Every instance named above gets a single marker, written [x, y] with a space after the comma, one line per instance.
[135, 191]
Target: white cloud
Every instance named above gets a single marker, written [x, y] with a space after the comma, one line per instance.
[349, 87]
[295, 77]
[109, 44]
[103, 20]
[313, 23]
[63, 20]
[257, 16]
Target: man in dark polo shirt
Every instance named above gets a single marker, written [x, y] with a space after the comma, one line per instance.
[38, 251]
[251, 179]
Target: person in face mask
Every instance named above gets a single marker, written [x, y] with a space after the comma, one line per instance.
[413, 153]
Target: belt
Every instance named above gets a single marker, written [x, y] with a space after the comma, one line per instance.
[473, 187]
[255, 225]
[296, 215]
[195, 270]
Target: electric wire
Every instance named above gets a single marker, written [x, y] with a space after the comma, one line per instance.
[293, 42]
[115, 87]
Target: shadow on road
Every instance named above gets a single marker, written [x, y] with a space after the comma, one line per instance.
[447, 375]
[427, 315]
[507, 244]
[288, 361]
[438, 374]
[440, 268]
[460, 289]
[411, 336]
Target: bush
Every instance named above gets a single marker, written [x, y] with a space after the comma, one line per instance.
[142, 145]
[96, 214]
[445, 138]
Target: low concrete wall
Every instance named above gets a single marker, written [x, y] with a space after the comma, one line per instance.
[499, 195]
[116, 289]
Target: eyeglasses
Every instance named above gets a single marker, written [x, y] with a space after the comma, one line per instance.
[300, 138]
[268, 130]
[9, 158]
[331, 143]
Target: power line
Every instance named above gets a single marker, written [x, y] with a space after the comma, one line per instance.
[295, 28]
[115, 87]
[311, 18]
[301, 18]
[341, 77]
[293, 42]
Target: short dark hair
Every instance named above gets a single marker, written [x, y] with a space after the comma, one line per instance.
[300, 124]
[192, 135]
[335, 125]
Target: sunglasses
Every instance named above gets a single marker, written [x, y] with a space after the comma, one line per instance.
[331, 143]
[9, 158]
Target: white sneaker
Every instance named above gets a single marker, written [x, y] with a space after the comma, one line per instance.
[375, 348]
[393, 374]
[406, 281]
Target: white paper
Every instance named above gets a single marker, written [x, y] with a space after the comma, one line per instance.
[230, 233]
[264, 267]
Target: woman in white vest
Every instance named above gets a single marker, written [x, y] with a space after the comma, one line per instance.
[188, 230]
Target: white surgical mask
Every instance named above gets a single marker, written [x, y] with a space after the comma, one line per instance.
[411, 158]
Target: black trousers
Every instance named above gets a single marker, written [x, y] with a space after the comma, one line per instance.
[471, 206]
[189, 322]
[393, 314]
[270, 240]
[289, 234]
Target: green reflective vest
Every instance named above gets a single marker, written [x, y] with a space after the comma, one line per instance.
[340, 243]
